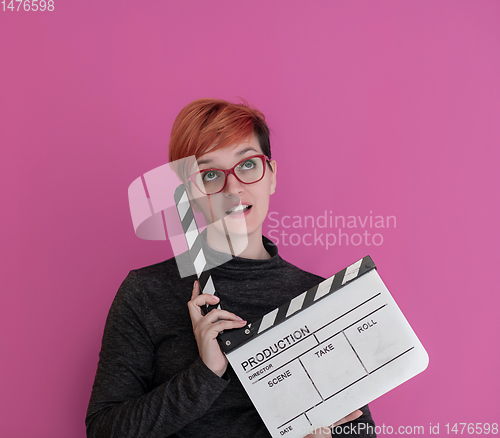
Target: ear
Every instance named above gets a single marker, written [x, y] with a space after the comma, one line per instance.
[274, 166]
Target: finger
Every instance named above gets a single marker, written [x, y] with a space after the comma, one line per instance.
[198, 300]
[196, 289]
[352, 416]
[202, 299]
[218, 314]
[220, 326]
[195, 305]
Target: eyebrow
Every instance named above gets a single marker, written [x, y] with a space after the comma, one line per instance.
[242, 152]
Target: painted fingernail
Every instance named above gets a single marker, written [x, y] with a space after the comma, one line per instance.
[243, 322]
[216, 297]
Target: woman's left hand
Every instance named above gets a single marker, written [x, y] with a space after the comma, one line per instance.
[323, 432]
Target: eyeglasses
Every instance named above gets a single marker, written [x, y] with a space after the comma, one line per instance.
[247, 171]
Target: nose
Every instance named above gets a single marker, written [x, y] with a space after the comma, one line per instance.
[233, 186]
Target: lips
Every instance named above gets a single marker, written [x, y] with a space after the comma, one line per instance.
[240, 208]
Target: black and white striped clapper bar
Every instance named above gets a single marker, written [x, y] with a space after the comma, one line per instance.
[193, 240]
[324, 354]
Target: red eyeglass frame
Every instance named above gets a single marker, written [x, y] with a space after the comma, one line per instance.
[228, 172]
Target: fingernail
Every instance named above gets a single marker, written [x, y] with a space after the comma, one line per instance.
[216, 297]
[242, 322]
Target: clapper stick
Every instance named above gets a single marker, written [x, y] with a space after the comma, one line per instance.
[197, 255]
[322, 355]
[307, 299]
[194, 242]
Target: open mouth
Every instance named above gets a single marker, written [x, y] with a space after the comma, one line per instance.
[241, 208]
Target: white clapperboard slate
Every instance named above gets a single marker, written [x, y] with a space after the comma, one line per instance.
[324, 354]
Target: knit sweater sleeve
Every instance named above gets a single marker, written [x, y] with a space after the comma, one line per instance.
[123, 403]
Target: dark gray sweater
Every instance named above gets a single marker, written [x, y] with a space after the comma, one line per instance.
[150, 380]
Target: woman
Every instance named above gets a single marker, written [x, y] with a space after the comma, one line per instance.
[161, 371]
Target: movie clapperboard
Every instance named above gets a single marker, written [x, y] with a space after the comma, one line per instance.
[322, 355]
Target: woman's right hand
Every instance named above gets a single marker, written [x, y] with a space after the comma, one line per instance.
[207, 327]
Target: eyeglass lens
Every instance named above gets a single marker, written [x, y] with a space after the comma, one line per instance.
[248, 171]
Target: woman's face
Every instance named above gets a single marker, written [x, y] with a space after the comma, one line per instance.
[243, 207]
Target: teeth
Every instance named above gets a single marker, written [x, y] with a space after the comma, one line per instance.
[237, 208]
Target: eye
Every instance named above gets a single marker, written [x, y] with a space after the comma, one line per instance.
[209, 176]
[247, 165]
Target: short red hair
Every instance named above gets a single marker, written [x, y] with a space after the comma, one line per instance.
[208, 122]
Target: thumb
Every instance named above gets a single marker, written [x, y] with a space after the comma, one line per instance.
[352, 416]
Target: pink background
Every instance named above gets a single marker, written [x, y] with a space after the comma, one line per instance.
[391, 107]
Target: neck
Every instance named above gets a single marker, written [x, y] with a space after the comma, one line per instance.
[253, 247]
